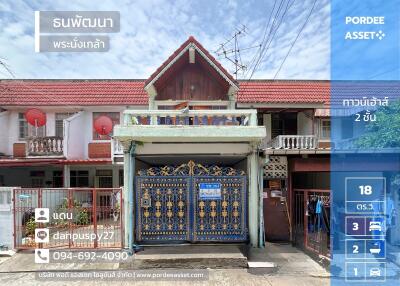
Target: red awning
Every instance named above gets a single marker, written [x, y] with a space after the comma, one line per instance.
[27, 162]
[86, 162]
[45, 162]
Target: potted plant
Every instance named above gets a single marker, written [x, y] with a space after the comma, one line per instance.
[116, 212]
[30, 227]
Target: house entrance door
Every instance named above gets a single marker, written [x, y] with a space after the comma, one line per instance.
[191, 203]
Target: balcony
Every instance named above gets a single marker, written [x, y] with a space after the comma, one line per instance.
[191, 117]
[45, 146]
[292, 142]
[190, 126]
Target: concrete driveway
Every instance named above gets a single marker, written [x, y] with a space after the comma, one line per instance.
[292, 268]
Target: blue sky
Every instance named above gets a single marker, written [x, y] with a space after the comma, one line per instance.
[152, 29]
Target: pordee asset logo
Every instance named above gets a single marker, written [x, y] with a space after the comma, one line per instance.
[376, 34]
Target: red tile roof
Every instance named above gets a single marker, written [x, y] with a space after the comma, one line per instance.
[191, 39]
[131, 92]
[284, 91]
[72, 92]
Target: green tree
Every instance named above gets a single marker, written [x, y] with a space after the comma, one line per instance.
[385, 131]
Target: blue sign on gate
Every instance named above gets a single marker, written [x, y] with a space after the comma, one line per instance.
[210, 191]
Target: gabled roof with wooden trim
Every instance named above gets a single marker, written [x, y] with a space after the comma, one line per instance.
[191, 42]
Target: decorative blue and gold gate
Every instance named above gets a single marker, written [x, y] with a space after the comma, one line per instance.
[191, 202]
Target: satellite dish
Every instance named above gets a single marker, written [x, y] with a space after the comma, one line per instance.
[103, 125]
[35, 117]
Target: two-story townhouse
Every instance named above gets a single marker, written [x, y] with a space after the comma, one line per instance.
[67, 151]
[296, 168]
[195, 149]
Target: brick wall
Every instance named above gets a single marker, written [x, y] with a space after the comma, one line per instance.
[99, 150]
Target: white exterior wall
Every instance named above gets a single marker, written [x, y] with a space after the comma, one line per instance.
[6, 218]
[51, 125]
[13, 132]
[87, 135]
[268, 126]
[4, 130]
[74, 139]
[304, 123]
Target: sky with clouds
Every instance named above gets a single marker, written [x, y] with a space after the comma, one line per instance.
[152, 29]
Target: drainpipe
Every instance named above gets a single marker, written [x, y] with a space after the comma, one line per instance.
[253, 197]
[262, 162]
[131, 174]
[261, 242]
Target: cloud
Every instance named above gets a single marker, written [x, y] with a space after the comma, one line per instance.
[309, 58]
[152, 29]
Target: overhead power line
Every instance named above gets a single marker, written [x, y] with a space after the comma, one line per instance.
[295, 40]
[276, 23]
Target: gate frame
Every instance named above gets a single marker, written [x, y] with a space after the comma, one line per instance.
[70, 192]
[191, 219]
[305, 193]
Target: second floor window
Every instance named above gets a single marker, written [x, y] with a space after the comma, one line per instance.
[60, 123]
[26, 130]
[114, 116]
[325, 128]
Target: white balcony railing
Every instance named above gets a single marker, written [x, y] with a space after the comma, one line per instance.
[116, 147]
[191, 117]
[293, 142]
[45, 146]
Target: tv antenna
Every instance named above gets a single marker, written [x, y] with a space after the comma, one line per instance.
[231, 51]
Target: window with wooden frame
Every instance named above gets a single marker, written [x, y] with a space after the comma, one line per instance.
[114, 116]
[25, 130]
[325, 129]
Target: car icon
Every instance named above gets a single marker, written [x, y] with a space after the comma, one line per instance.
[375, 272]
[375, 225]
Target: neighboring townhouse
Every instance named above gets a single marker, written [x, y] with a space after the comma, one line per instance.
[198, 152]
[66, 151]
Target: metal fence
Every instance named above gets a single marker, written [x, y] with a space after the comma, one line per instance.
[78, 217]
[311, 228]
